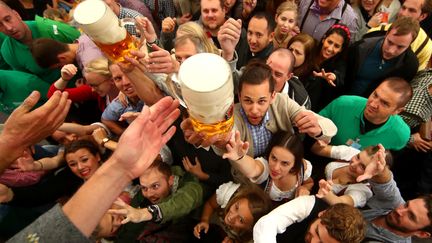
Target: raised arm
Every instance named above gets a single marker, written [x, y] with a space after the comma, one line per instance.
[26, 127]
[237, 154]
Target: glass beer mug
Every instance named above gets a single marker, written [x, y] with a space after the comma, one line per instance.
[207, 89]
[100, 23]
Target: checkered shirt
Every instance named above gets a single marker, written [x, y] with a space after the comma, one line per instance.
[261, 136]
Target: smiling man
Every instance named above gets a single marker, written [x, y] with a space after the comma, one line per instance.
[260, 34]
[364, 122]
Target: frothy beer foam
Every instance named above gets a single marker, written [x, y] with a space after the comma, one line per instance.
[114, 35]
[99, 22]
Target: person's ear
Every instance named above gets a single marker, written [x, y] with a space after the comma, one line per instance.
[271, 36]
[398, 110]
[171, 181]
[422, 234]
[423, 16]
[272, 97]
[62, 57]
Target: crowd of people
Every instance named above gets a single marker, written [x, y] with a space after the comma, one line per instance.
[332, 132]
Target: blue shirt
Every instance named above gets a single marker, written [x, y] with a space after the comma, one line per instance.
[260, 134]
[115, 109]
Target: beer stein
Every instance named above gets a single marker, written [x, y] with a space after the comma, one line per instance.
[100, 23]
[207, 89]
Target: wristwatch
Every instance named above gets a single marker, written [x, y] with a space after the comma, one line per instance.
[104, 141]
[155, 212]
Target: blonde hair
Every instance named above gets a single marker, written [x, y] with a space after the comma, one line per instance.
[287, 6]
[99, 66]
[194, 29]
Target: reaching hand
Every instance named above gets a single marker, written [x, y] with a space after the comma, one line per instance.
[168, 25]
[193, 169]
[26, 127]
[143, 139]
[307, 122]
[248, 6]
[24, 163]
[160, 61]
[376, 166]
[129, 116]
[68, 71]
[325, 187]
[236, 148]
[184, 18]
[99, 134]
[327, 76]
[200, 227]
[146, 29]
[228, 37]
[302, 191]
[200, 138]
[420, 144]
[131, 214]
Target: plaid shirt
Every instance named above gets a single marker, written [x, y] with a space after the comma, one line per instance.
[260, 134]
[166, 8]
[419, 108]
[129, 13]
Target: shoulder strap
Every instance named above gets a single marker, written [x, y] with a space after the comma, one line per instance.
[306, 15]
[343, 11]
[424, 43]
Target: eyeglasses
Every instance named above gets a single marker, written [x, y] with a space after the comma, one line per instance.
[97, 85]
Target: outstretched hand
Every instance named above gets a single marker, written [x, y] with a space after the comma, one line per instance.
[325, 188]
[143, 139]
[375, 167]
[26, 127]
[327, 76]
[236, 148]
[129, 213]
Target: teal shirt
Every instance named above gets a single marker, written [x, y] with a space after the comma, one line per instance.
[15, 86]
[346, 113]
[18, 56]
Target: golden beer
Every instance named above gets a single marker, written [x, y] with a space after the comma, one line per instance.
[207, 90]
[117, 51]
[222, 128]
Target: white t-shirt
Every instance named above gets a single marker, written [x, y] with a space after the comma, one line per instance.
[275, 193]
[359, 192]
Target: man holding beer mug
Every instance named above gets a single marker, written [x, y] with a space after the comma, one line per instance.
[263, 112]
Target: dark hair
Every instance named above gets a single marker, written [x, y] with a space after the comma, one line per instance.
[293, 144]
[80, 144]
[256, 73]
[405, 25]
[340, 30]
[271, 23]
[258, 201]
[287, 54]
[428, 203]
[401, 87]
[309, 45]
[221, 4]
[162, 167]
[345, 223]
[427, 7]
[45, 51]
[372, 150]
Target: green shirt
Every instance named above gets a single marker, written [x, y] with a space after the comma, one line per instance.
[15, 86]
[18, 56]
[346, 113]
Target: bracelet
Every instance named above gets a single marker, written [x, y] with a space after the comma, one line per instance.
[411, 139]
[149, 44]
[41, 165]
